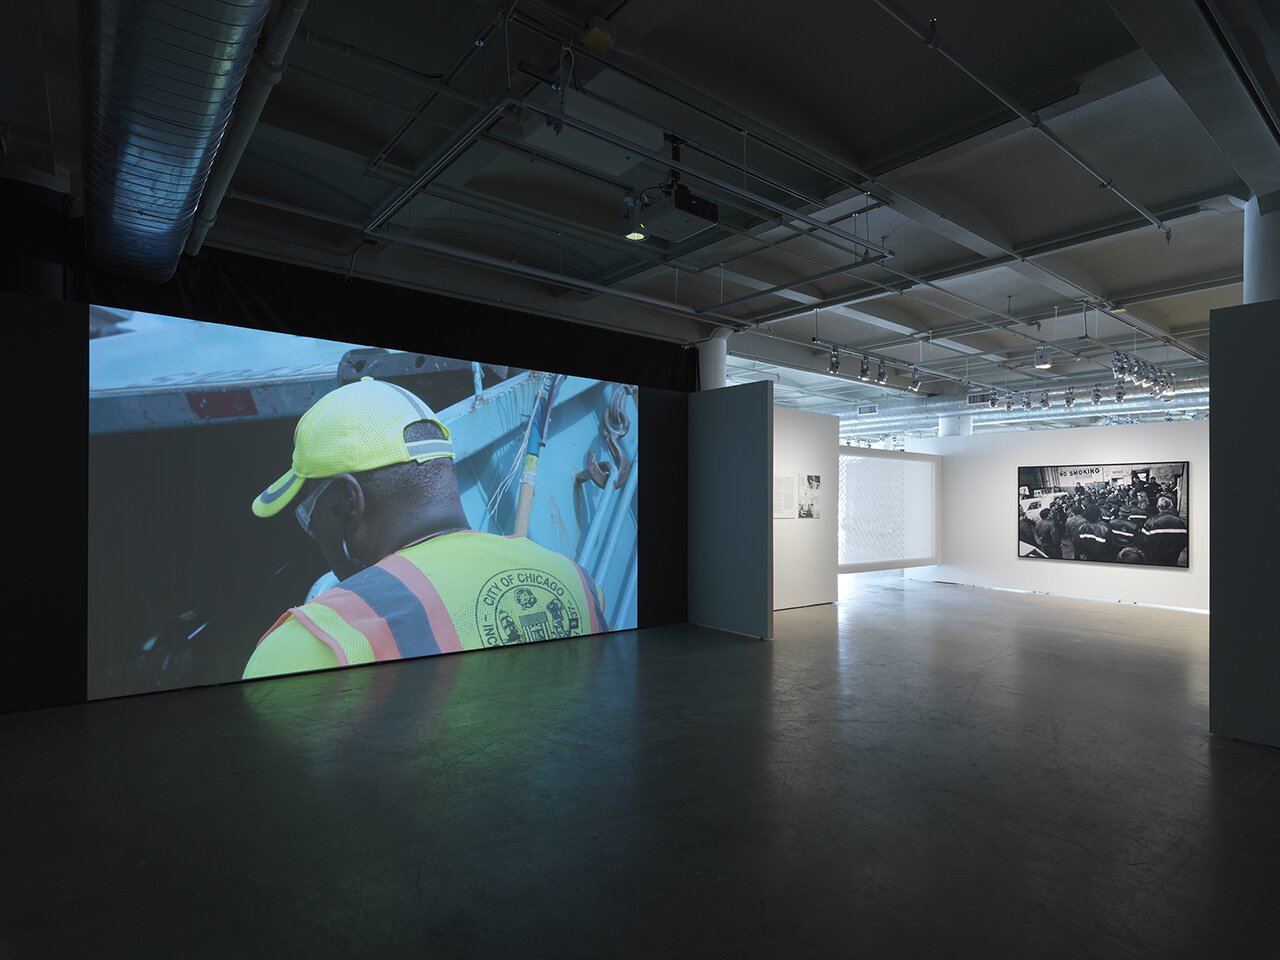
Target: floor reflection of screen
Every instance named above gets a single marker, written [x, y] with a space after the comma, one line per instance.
[262, 504]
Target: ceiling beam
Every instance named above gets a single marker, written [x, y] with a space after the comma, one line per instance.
[1188, 52]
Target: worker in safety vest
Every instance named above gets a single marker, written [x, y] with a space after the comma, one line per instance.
[1137, 510]
[373, 483]
[1123, 533]
[1091, 539]
[1164, 536]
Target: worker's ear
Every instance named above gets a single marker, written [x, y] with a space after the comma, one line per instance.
[349, 502]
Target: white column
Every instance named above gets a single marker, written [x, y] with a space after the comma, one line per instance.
[711, 357]
[1262, 248]
[957, 426]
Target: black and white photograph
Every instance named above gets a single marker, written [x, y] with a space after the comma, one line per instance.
[809, 496]
[1133, 513]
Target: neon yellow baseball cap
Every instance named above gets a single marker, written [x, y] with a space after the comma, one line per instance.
[359, 426]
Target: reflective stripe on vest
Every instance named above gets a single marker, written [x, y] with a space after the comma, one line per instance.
[348, 644]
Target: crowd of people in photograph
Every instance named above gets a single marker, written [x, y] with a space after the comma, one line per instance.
[1138, 522]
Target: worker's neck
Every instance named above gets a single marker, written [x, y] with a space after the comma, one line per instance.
[427, 521]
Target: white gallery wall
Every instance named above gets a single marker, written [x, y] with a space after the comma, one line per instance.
[979, 511]
[804, 550]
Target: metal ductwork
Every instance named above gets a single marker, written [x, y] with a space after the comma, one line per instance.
[912, 416]
[159, 83]
[958, 406]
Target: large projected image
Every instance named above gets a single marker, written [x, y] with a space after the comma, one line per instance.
[1134, 513]
[263, 504]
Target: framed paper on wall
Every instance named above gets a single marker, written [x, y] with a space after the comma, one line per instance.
[784, 496]
[808, 496]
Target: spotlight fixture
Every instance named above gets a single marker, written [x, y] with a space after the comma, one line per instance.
[993, 401]
[1119, 393]
[1044, 399]
[864, 369]
[1026, 401]
[834, 365]
[915, 381]
[1008, 401]
[632, 228]
[881, 376]
[1097, 395]
[1043, 362]
[1069, 398]
[1142, 374]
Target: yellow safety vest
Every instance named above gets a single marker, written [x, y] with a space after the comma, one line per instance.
[455, 591]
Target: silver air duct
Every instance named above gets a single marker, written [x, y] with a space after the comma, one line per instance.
[913, 415]
[160, 79]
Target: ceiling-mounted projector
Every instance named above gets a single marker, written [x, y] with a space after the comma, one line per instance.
[679, 215]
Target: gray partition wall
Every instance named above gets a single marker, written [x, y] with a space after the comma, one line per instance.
[1244, 643]
[730, 519]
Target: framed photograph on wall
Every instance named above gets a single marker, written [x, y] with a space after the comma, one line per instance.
[1130, 513]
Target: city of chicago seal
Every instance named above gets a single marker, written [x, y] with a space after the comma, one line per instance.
[523, 605]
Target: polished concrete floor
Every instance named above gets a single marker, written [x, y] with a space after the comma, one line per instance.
[921, 771]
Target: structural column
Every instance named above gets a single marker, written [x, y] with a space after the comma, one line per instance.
[1262, 248]
[712, 353]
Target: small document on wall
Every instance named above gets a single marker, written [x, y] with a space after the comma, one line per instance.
[809, 496]
[784, 496]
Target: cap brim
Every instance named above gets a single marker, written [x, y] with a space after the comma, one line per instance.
[278, 496]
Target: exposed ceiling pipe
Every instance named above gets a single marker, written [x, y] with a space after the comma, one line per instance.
[1054, 415]
[439, 162]
[268, 67]
[1108, 408]
[159, 83]
[345, 50]
[1196, 389]
[493, 263]
[928, 34]
[473, 49]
